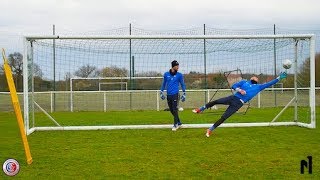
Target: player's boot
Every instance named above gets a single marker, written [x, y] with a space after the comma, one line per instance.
[196, 111]
[208, 133]
[174, 127]
[199, 110]
[178, 125]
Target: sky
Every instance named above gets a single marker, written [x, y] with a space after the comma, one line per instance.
[38, 16]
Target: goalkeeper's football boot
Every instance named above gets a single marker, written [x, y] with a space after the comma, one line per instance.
[196, 111]
[174, 127]
[208, 133]
[178, 125]
[199, 110]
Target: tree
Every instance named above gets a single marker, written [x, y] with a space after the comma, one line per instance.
[147, 83]
[149, 74]
[114, 71]
[219, 81]
[4, 87]
[304, 72]
[15, 61]
[1, 69]
[86, 71]
[37, 72]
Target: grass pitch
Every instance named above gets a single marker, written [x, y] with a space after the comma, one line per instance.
[250, 153]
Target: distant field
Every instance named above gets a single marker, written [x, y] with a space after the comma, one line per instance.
[231, 153]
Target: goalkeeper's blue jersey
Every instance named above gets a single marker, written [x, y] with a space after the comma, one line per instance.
[171, 83]
[251, 89]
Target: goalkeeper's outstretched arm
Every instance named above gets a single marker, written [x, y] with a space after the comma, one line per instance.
[274, 81]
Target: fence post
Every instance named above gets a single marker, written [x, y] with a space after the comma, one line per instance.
[259, 100]
[104, 101]
[51, 101]
[158, 101]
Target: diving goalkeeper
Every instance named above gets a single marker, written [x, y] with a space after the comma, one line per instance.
[245, 91]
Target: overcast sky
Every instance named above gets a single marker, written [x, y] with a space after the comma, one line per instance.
[26, 17]
[37, 16]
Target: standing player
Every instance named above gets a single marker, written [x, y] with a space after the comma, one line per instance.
[171, 80]
[245, 91]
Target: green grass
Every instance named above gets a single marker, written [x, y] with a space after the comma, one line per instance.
[231, 153]
[161, 117]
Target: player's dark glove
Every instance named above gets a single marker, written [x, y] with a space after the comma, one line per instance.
[162, 95]
[183, 97]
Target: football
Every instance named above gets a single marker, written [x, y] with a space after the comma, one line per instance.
[180, 109]
[286, 64]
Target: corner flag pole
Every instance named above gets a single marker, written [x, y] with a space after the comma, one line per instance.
[16, 106]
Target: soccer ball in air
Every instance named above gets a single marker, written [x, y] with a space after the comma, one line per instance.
[180, 109]
[287, 64]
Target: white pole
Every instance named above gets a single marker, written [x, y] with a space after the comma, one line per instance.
[295, 81]
[259, 101]
[71, 99]
[312, 82]
[25, 86]
[158, 101]
[51, 101]
[104, 101]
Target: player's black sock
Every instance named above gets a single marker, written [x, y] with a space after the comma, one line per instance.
[210, 104]
[220, 121]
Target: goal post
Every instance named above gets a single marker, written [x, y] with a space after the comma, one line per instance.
[136, 59]
[93, 84]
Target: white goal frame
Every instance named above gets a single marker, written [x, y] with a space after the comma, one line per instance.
[103, 78]
[310, 37]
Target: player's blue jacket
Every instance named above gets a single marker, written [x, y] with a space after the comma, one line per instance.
[171, 82]
[251, 89]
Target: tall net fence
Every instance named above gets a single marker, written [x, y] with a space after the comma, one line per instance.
[199, 74]
[139, 65]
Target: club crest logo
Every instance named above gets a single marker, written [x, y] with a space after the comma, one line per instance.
[11, 167]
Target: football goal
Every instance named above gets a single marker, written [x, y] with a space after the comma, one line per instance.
[90, 82]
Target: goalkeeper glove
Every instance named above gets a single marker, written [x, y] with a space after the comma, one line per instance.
[183, 97]
[282, 75]
[162, 95]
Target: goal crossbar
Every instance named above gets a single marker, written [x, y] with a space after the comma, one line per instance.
[278, 36]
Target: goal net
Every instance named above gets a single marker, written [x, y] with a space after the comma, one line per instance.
[96, 82]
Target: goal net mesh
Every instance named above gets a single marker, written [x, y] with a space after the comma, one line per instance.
[65, 76]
